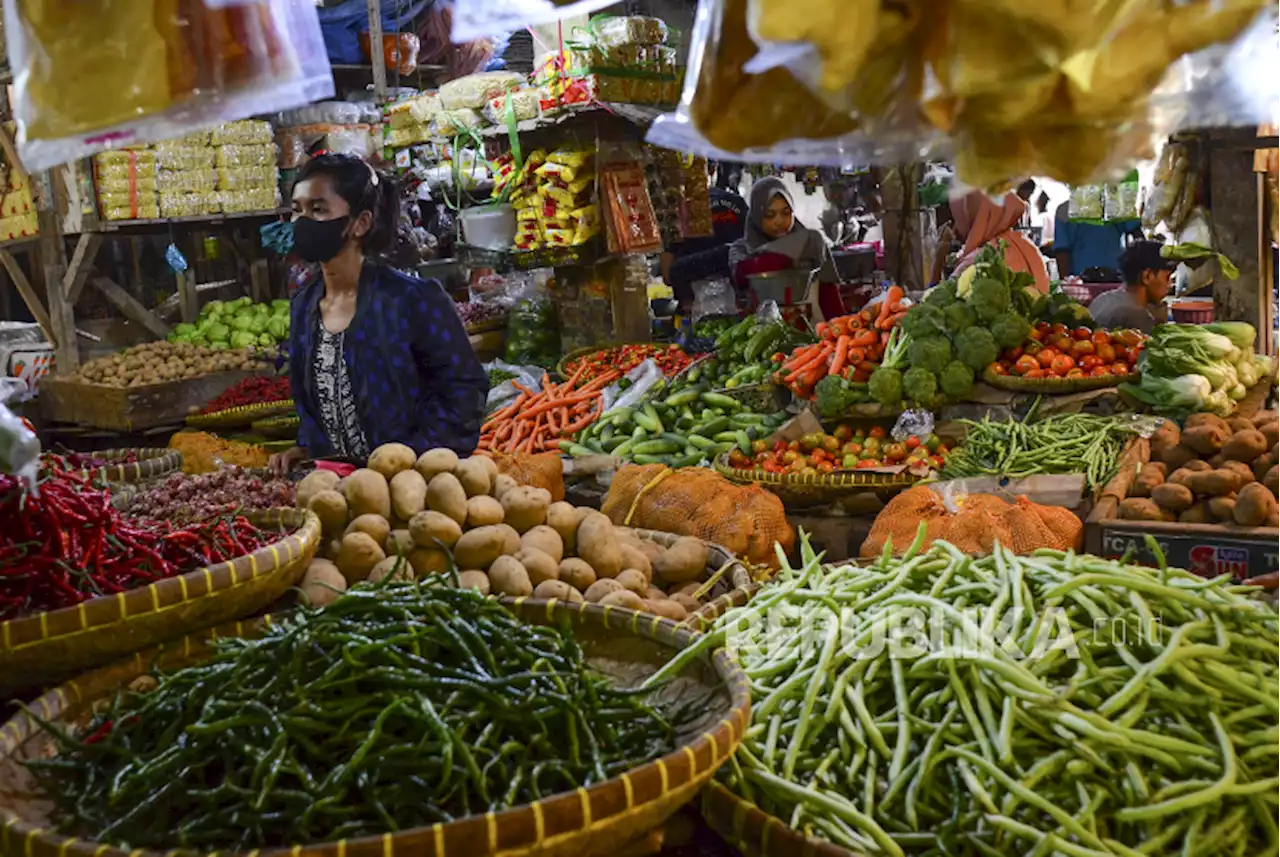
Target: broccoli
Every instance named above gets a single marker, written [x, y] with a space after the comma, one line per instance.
[921, 386]
[886, 386]
[976, 348]
[931, 353]
[989, 298]
[957, 379]
[1010, 329]
[942, 295]
[959, 316]
[924, 320]
[834, 395]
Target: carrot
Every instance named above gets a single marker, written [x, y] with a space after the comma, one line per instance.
[842, 354]
[800, 356]
[865, 338]
[822, 329]
[856, 355]
[890, 320]
[891, 297]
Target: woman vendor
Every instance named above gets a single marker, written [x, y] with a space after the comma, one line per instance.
[375, 356]
[979, 222]
[777, 241]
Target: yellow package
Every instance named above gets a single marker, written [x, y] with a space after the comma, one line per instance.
[147, 211]
[560, 172]
[187, 180]
[185, 158]
[14, 204]
[557, 237]
[125, 157]
[180, 204]
[245, 132]
[585, 232]
[236, 201]
[114, 183]
[524, 215]
[556, 224]
[569, 157]
[573, 194]
[588, 214]
[243, 156]
[194, 140]
[246, 178]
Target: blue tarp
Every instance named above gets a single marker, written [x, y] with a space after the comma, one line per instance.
[342, 25]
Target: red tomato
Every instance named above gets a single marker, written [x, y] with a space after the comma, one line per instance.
[1058, 328]
[1045, 357]
[1038, 335]
[1122, 353]
[1119, 368]
[1134, 354]
[1076, 373]
[1106, 351]
[1026, 363]
[999, 368]
[867, 463]
[826, 467]
[1049, 373]
[937, 461]
[1012, 354]
[1033, 347]
[794, 446]
[1088, 361]
[1060, 341]
[877, 432]
[1062, 364]
[843, 432]
[1042, 326]
[1082, 333]
[1099, 371]
[912, 442]
[1101, 337]
[1034, 373]
[1082, 347]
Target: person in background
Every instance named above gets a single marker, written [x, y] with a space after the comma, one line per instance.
[775, 241]
[699, 258]
[978, 222]
[375, 356]
[1139, 304]
[1079, 246]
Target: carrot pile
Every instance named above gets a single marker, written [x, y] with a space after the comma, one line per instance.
[538, 419]
[850, 346]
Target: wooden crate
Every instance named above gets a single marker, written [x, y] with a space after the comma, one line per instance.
[69, 400]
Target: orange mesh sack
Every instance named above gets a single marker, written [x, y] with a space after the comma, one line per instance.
[901, 516]
[544, 470]
[1066, 531]
[698, 502]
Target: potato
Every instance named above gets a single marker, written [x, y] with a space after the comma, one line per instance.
[1216, 460]
[1254, 505]
[540, 566]
[510, 539]
[1197, 514]
[1197, 466]
[525, 507]
[375, 525]
[446, 496]
[322, 584]
[367, 492]
[397, 567]
[598, 546]
[472, 579]
[1237, 424]
[408, 494]
[330, 549]
[1215, 483]
[1197, 420]
[490, 466]
[392, 458]
[563, 518]
[1262, 465]
[1174, 498]
[688, 602]
[622, 598]
[1206, 439]
[1178, 456]
[545, 539]
[1140, 509]
[1223, 509]
[1245, 445]
[358, 555]
[1271, 480]
[558, 590]
[633, 557]
[312, 484]
[482, 511]
[1165, 437]
[634, 580]
[683, 561]
[602, 587]
[577, 573]
[1261, 418]
[508, 577]
[1147, 479]
[474, 477]
[434, 529]
[331, 508]
[435, 461]
[399, 541]
[688, 588]
[428, 561]
[1271, 432]
[1158, 466]
[1244, 471]
[479, 548]
[502, 483]
[652, 550]
[666, 609]
[652, 593]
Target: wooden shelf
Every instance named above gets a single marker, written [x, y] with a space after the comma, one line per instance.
[119, 225]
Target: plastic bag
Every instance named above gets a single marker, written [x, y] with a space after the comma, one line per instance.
[502, 394]
[107, 73]
[473, 19]
[638, 382]
[19, 446]
[532, 334]
[714, 297]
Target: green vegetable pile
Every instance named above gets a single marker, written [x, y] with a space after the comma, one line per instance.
[1189, 368]
[533, 338]
[744, 354]
[237, 324]
[497, 377]
[394, 707]
[1051, 703]
[1065, 443]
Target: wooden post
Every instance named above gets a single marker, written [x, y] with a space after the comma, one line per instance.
[188, 301]
[1233, 194]
[259, 280]
[28, 294]
[379, 65]
[129, 306]
[903, 253]
[81, 264]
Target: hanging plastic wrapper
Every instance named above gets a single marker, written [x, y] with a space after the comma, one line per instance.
[104, 74]
[479, 19]
[1066, 89]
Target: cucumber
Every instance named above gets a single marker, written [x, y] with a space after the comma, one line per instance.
[719, 400]
[623, 450]
[685, 423]
[744, 441]
[690, 460]
[613, 443]
[700, 442]
[687, 396]
[607, 432]
[660, 446]
[681, 439]
[648, 420]
[718, 449]
[652, 459]
[729, 437]
[578, 451]
[713, 426]
[746, 419]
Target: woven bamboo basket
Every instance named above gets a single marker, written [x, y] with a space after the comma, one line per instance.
[499, 323]
[244, 415]
[1054, 386]
[757, 834]
[796, 489]
[279, 426]
[40, 649]
[598, 820]
[562, 367]
[152, 463]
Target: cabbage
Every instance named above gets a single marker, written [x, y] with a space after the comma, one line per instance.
[184, 329]
[240, 322]
[1192, 338]
[1219, 403]
[243, 339]
[1247, 371]
[266, 341]
[261, 309]
[1264, 364]
[1183, 393]
[217, 332]
[1237, 392]
[1242, 335]
[278, 327]
[212, 308]
[257, 324]
[279, 305]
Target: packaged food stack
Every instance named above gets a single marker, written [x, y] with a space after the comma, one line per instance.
[554, 198]
[17, 209]
[633, 225]
[666, 189]
[332, 126]
[126, 181]
[187, 180]
[245, 159]
[625, 60]
[406, 123]
[463, 99]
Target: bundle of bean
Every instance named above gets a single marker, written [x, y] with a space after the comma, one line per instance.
[67, 544]
[184, 497]
[1051, 703]
[1065, 443]
[390, 709]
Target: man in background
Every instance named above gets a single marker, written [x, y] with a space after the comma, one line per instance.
[1140, 302]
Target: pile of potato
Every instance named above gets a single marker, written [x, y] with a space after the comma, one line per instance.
[403, 515]
[1210, 471]
[157, 362]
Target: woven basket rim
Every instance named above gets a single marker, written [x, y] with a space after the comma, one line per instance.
[592, 349]
[153, 461]
[839, 481]
[715, 745]
[776, 837]
[1059, 386]
[97, 614]
[237, 415]
[737, 575]
[487, 326]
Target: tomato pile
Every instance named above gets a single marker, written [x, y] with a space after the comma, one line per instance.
[1057, 351]
[671, 359]
[846, 448]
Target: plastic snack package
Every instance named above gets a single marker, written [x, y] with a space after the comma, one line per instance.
[111, 182]
[473, 91]
[246, 155]
[493, 18]
[246, 132]
[246, 178]
[187, 180]
[201, 158]
[635, 226]
[107, 73]
[15, 204]
[129, 210]
[1086, 202]
[450, 123]
[181, 204]
[627, 30]
[569, 157]
[513, 106]
[133, 157]
[194, 140]
[239, 201]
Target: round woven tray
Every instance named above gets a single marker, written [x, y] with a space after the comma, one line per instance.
[755, 833]
[1054, 386]
[280, 426]
[589, 822]
[815, 489]
[40, 649]
[561, 367]
[487, 326]
[242, 416]
[152, 463]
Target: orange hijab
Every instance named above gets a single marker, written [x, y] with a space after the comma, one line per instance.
[980, 222]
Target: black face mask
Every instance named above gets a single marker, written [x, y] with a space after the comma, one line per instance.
[319, 240]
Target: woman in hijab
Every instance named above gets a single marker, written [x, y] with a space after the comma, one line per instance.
[979, 222]
[776, 241]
